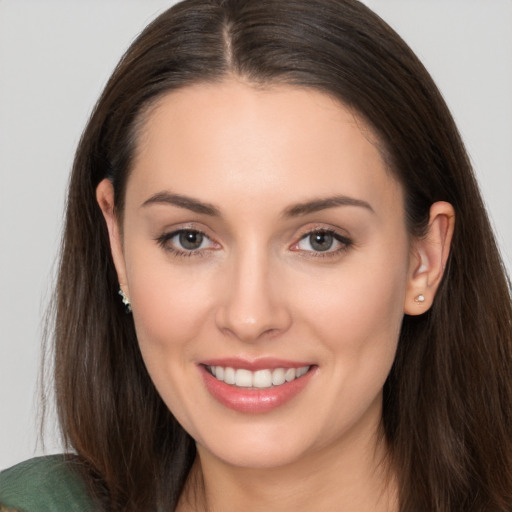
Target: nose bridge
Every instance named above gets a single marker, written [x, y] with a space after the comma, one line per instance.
[251, 308]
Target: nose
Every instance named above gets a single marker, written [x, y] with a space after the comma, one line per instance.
[253, 304]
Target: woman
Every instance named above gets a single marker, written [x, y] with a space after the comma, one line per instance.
[313, 311]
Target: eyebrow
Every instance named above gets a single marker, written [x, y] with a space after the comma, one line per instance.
[181, 201]
[317, 205]
[295, 210]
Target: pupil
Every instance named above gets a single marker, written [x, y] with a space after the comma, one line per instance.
[191, 240]
[321, 241]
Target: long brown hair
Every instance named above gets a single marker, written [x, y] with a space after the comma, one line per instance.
[447, 411]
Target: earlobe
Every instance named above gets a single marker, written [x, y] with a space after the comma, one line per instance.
[105, 199]
[429, 255]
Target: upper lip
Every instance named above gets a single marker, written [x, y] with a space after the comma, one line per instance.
[264, 363]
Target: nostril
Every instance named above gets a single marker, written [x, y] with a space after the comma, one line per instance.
[250, 310]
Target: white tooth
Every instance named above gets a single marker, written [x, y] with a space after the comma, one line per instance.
[290, 374]
[243, 378]
[262, 379]
[219, 372]
[229, 375]
[212, 369]
[302, 371]
[278, 377]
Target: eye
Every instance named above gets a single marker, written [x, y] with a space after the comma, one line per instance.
[186, 242]
[318, 241]
[323, 241]
[189, 240]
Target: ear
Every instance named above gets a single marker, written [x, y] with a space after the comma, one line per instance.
[105, 198]
[428, 259]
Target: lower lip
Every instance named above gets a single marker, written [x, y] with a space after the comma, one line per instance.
[254, 400]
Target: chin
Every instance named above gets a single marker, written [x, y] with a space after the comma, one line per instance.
[255, 455]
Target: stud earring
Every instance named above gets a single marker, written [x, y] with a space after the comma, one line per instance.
[126, 300]
[419, 299]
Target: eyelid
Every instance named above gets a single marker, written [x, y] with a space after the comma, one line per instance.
[339, 235]
[323, 228]
[164, 241]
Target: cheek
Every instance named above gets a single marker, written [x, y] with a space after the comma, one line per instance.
[365, 296]
[357, 314]
[356, 318]
[170, 305]
[170, 309]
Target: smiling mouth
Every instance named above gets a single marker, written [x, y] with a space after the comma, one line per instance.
[259, 379]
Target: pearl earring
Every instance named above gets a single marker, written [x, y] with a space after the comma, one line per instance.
[126, 300]
[419, 299]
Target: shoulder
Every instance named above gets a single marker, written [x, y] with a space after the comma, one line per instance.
[44, 484]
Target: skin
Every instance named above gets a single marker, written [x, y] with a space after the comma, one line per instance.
[257, 288]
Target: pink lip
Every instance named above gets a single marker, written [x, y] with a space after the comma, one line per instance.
[253, 400]
[264, 363]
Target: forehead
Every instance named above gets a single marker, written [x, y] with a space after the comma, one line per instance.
[256, 141]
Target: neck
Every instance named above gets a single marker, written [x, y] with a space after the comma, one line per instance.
[352, 475]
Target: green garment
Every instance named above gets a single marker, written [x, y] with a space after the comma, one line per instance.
[43, 484]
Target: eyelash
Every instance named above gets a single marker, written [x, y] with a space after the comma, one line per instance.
[345, 243]
[164, 239]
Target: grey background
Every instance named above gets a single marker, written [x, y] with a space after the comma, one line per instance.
[55, 56]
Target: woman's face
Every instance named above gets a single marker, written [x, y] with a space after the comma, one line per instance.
[263, 237]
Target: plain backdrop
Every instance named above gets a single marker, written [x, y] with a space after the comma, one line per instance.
[55, 56]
